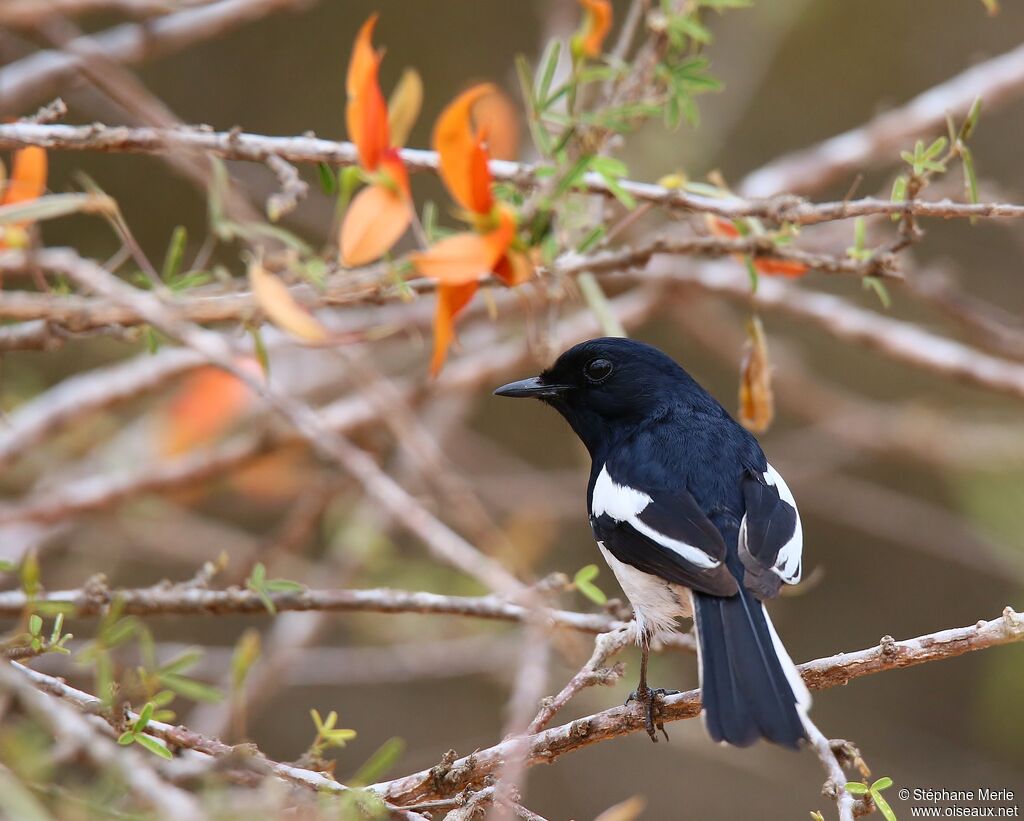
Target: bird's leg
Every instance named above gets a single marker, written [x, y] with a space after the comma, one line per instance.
[647, 697]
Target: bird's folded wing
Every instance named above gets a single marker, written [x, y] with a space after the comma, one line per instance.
[771, 536]
[664, 533]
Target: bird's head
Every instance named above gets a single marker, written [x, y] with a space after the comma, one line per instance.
[604, 387]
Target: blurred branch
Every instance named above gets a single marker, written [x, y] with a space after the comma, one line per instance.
[235, 145]
[32, 13]
[41, 74]
[995, 81]
[546, 746]
[183, 600]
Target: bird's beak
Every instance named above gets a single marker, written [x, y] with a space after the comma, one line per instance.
[530, 387]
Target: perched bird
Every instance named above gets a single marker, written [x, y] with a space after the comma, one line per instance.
[692, 520]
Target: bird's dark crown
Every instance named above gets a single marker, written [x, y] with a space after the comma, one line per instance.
[604, 387]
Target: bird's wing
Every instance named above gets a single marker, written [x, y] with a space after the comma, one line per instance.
[664, 533]
[771, 538]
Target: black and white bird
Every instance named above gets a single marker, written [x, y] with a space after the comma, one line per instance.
[693, 521]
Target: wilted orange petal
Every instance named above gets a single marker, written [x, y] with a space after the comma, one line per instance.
[451, 299]
[514, 268]
[373, 223]
[463, 160]
[757, 402]
[780, 267]
[596, 26]
[497, 116]
[205, 406]
[466, 257]
[278, 303]
[28, 176]
[366, 114]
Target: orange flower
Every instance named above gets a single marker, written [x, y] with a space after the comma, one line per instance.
[596, 24]
[770, 267]
[459, 261]
[380, 213]
[27, 182]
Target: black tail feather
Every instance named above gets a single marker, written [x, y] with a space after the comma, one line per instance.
[749, 686]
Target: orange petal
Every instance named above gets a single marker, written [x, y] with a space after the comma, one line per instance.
[28, 176]
[721, 227]
[466, 257]
[373, 223]
[757, 402]
[463, 158]
[595, 27]
[394, 169]
[205, 406]
[366, 114]
[514, 268]
[780, 267]
[497, 116]
[278, 303]
[451, 300]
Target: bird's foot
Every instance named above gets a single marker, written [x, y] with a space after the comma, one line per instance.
[650, 701]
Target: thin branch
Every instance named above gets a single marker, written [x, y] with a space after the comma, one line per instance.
[185, 600]
[258, 148]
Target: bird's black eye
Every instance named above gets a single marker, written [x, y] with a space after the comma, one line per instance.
[598, 370]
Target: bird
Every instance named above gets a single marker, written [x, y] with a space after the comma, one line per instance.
[693, 522]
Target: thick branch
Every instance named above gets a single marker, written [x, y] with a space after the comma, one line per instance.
[821, 674]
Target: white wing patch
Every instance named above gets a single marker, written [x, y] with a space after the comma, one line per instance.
[625, 504]
[788, 565]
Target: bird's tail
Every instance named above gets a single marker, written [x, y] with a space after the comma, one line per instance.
[749, 685]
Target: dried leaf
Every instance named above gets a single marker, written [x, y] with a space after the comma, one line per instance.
[628, 810]
[780, 267]
[373, 223]
[757, 403]
[404, 106]
[451, 300]
[280, 306]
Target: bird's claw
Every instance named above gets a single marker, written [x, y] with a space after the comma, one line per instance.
[649, 700]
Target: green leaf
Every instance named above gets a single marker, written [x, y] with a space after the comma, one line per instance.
[145, 714]
[592, 238]
[259, 348]
[857, 788]
[153, 746]
[623, 196]
[586, 574]
[583, 580]
[882, 783]
[876, 285]
[53, 206]
[175, 253]
[35, 624]
[971, 123]
[970, 176]
[550, 66]
[378, 764]
[185, 660]
[328, 180]
[192, 689]
[284, 586]
[258, 575]
[126, 738]
[883, 806]
[30, 574]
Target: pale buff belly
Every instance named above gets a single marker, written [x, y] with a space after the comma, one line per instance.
[656, 603]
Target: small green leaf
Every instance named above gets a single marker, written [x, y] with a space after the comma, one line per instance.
[126, 738]
[328, 181]
[284, 586]
[192, 689]
[550, 65]
[175, 254]
[882, 783]
[857, 788]
[883, 806]
[876, 285]
[586, 574]
[145, 714]
[378, 764]
[35, 624]
[971, 123]
[153, 746]
[592, 238]
[970, 176]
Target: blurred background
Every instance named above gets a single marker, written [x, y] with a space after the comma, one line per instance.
[911, 488]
